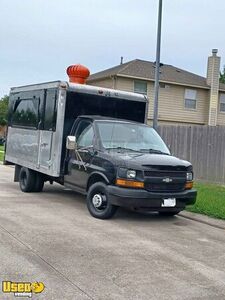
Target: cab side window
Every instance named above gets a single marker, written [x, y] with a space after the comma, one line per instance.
[84, 134]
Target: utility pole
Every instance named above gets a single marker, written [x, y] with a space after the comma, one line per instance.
[157, 68]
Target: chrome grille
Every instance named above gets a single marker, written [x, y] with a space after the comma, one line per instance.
[162, 174]
[165, 180]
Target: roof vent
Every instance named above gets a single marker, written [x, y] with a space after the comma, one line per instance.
[78, 74]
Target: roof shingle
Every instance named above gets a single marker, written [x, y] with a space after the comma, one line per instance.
[146, 70]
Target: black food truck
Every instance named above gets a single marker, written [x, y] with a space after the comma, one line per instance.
[95, 141]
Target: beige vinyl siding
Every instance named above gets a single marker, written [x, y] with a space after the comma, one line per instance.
[220, 115]
[171, 102]
[172, 105]
[125, 84]
[213, 81]
[161, 122]
[105, 83]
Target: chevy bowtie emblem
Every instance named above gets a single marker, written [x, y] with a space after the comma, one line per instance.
[167, 180]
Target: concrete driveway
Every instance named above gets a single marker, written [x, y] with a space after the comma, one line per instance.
[51, 237]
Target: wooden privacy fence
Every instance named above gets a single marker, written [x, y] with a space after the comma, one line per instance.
[203, 146]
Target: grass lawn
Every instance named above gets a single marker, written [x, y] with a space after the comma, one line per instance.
[210, 200]
[1, 152]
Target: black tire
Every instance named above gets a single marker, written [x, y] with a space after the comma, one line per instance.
[39, 184]
[27, 179]
[98, 202]
[169, 213]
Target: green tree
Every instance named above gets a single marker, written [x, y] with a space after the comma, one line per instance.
[222, 75]
[3, 110]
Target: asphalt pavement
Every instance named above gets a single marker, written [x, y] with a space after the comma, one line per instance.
[50, 237]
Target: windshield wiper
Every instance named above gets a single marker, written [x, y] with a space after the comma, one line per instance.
[154, 151]
[121, 148]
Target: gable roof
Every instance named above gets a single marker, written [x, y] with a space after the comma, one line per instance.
[146, 70]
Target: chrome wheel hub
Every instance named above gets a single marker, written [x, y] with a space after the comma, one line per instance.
[97, 200]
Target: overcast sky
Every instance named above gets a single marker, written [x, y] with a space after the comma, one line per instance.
[40, 38]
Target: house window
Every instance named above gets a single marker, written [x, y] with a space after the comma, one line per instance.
[140, 87]
[164, 86]
[190, 99]
[222, 102]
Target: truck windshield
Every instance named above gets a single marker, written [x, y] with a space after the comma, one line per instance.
[131, 137]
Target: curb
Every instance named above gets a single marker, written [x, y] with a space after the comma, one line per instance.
[203, 219]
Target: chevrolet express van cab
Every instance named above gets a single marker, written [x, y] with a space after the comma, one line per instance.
[132, 167]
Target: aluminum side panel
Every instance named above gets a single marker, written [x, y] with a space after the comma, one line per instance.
[36, 149]
[45, 149]
[22, 145]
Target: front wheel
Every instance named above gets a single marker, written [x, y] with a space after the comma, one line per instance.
[98, 202]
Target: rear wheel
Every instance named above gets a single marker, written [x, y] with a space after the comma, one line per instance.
[27, 179]
[39, 183]
[169, 213]
[98, 202]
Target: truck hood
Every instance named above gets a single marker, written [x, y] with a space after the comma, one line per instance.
[139, 160]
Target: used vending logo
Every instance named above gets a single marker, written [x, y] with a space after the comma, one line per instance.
[22, 289]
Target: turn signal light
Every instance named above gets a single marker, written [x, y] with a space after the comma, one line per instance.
[130, 183]
[189, 185]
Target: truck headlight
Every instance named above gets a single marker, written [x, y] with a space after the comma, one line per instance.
[126, 173]
[131, 174]
[129, 178]
[189, 176]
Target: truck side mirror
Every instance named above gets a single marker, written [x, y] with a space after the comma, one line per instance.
[71, 142]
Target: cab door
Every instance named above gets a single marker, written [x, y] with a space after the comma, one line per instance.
[79, 164]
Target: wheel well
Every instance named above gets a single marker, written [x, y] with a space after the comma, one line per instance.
[95, 178]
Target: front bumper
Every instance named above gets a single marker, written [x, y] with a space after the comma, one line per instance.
[138, 198]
